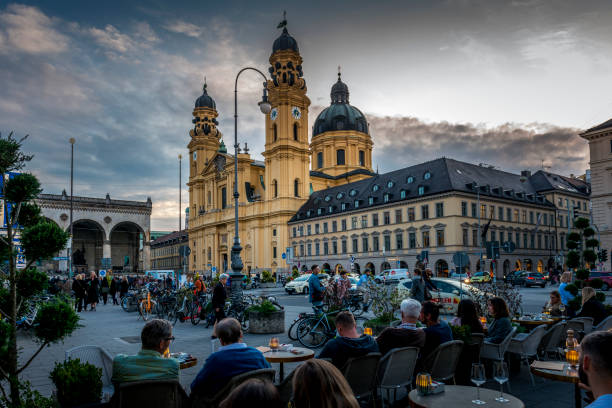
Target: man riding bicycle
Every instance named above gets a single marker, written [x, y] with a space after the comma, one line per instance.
[315, 290]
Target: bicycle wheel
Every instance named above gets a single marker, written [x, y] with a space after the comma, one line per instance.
[195, 311]
[144, 310]
[292, 332]
[125, 302]
[311, 333]
[172, 315]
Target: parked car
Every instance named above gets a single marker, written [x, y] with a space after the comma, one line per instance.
[513, 276]
[450, 294]
[478, 277]
[389, 276]
[606, 277]
[528, 279]
[352, 279]
[300, 285]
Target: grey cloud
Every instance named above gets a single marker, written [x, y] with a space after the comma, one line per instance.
[27, 29]
[183, 27]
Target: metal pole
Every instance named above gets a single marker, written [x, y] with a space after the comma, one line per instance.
[180, 156]
[71, 203]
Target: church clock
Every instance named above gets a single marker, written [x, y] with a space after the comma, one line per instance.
[274, 114]
[295, 111]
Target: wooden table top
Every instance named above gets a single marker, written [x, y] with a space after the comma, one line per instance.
[568, 374]
[459, 396]
[188, 363]
[289, 357]
[534, 322]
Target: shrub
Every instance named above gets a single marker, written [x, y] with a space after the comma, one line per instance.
[579, 283]
[295, 273]
[573, 259]
[572, 288]
[573, 236]
[600, 296]
[582, 274]
[591, 243]
[581, 223]
[590, 256]
[266, 277]
[54, 321]
[595, 283]
[266, 308]
[77, 383]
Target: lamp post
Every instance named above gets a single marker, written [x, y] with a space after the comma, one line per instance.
[180, 157]
[236, 265]
[72, 141]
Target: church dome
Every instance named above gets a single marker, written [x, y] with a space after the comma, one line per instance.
[205, 101]
[285, 42]
[340, 115]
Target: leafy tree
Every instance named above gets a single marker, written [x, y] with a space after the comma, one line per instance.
[578, 254]
[40, 239]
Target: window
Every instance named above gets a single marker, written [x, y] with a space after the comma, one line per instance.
[334, 226]
[343, 225]
[518, 239]
[500, 213]
[340, 157]
[386, 197]
[427, 175]
[308, 229]
[509, 214]
[364, 244]
[410, 180]
[440, 237]
[209, 198]
[375, 220]
[355, 248]
[343, 206]
[539, 241]
[275, 188]
[501, 236]
[439, 210]
[421, 190]
[475, 238]
[584, 206]
[425, 212]
[334, 247]
[301, 230]
[425, 235]
[209, 253]
[492, 211]
[319, 160]
[316, 228]
[399, 240]
[295, 131]
[411, 216]
[354, 222]
[296, 188]
[375, 244]
[309, 249]
[532, 241]
[325, 228]
[465, 238]
[325, 248]
[224, 197]
[344, 246]
[273, 232]
[525, 242]
[274, 252]
[356, 204]
[412, 240]
[361, 158]
[561, 200]
[387, 242]
[274, 130]
[403, 194]
[531, 217]
[317, 248]
[294, 232]
[398, 216]
[386, 218]
[370, 200]
[464, 208]
[364, 221]
[483, 211]
[493, 235]
[516, 216]
[562, 242]
[524, 217]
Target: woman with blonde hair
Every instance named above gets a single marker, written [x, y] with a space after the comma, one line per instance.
[317, 383]
[93, 293]
[591, 307]
[566, 297]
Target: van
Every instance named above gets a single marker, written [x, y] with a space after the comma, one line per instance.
[393, 275]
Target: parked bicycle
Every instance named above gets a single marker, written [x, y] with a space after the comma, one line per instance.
[314, 332]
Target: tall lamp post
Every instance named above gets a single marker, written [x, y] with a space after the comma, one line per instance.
[265, 107]
[180, 157]
[72, 141]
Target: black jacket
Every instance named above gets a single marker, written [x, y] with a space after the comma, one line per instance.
[113, 286]
[219, 296]
[341, 349]
[593, 308]
[124, 286]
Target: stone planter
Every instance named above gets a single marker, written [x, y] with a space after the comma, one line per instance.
[268, 285]
[260, 323]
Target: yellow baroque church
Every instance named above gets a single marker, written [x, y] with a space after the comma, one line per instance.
[272, 191]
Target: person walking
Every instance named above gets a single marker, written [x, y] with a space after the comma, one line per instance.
[93, 291]
[315, 290]
[78, 288]
[218, 301]
[113, 289]
[417, 291]
[124, 287]
[104, 288]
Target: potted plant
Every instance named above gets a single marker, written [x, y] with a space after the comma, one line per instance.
[78, 384]
[266, 318]
[267, 280]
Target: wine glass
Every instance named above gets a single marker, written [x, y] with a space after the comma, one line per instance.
[478, 378]
[562, 310]
[500, 374]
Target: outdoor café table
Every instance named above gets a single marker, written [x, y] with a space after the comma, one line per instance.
[459, 396]
[533, 323]
[566, 374]
[281, 357]
[185, 360]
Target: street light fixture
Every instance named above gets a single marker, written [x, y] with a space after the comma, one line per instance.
[180, 157]
[72, 141]
[236, 261]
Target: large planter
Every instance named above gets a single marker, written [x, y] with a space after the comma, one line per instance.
[267, 323]
[268, 285]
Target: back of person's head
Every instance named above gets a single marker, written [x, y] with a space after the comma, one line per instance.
[410, 308]
[432, 309]
[317, 383]
[342, 272]
[467, 310]
[598, 346]
[555, 294]
[253, 393]
[154, 332]
[223, 276]
[587, 293]
[566, 277]
[228, 330]
[500, 308]
[345, 320]
[314, 268]
[417, 271]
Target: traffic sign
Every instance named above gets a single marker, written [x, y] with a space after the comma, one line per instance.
[61, 258]
[509, 246]
[214, 269]
[102, 273]
[284, 255]
[352, 259]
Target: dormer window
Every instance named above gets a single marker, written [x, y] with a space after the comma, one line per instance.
[375, 187]
[390, 184]
[353, 193]
[343, 206]
[410, 180]
[403, 194]
[427, 175]
[421, 190]
[327, 198]
[319, 211]
[356, 203]
[339, 196]
[386, 198]
[370, 200]
[330, 209]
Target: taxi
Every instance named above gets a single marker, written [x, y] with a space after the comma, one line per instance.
[450, 292]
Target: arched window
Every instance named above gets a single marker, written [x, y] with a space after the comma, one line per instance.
[361, 158]
[295, 131]
[275, 132]
[340, 157]
[319, 160]
[275, 188]
[296, 188]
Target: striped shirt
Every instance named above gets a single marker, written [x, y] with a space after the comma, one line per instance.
[146, 365]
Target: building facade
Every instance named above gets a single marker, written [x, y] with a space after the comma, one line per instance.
[600, 147]
[442, 207]
[166, 252]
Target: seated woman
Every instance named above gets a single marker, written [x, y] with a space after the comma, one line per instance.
[467, 314]
[553, 303]
[500, 327]
[591, 307]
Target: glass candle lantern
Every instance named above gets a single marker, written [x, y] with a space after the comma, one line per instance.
[273, 343]
[423, 383]
[572, 357]
[368, 331]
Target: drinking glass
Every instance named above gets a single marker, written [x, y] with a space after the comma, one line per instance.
[562, 310]
[273, 344]
[478, 378]
[500, 374]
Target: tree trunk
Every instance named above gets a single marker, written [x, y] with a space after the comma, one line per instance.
[12, 348]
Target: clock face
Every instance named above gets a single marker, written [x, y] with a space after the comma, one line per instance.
[274, 114]
[195, 156]
[295, 111]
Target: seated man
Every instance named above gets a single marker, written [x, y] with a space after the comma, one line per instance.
[437, 331]
[149, 363]
[596, 368]
[232, 358]
[406, 334]
[348, 343]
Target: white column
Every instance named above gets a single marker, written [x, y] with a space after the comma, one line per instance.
[106, 249]
[63, 265]
[146, 255]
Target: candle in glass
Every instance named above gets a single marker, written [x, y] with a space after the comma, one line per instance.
[572, 357]
[423, 383]
[273, 343]
[368, 331]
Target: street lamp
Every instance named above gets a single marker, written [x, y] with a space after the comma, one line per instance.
[72, 141]
[180, 157]
[236, 265]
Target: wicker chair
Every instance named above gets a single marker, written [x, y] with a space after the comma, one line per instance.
[606, 324]
[442, 362]
[395, 371]
[492, 351]
[201, 401]
[581, 325]
[552, 340]
[527, 346]
[360, 373]
[150, 394]
[99, 357]
[285, 389]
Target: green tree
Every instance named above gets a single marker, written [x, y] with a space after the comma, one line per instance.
[580, 244]
[40, 239]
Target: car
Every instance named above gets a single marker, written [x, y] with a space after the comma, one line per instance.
[450, 294]
[528, 279]
[389, 276]
[606, 277]
[513, 276]
[352, 279]
[478, 277]
[300, 284]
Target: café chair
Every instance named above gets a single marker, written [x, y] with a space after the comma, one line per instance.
[285, 389]
[99, 357]
[549, 346]
[202, 401]
[442, 362]
[150, 394]
[360, 373]
[476, 345]
[582, 325]
[395, 371]
[606, 324]
[527, 346]
[492, 351]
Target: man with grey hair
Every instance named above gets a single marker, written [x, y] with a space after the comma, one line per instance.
[595, 369]
[149, 363]
[406, 334]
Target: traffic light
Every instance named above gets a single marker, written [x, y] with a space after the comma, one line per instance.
[603, 255]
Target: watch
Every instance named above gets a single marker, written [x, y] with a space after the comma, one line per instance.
[274, 114]
[295, 111]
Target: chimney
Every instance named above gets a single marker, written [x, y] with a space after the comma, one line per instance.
[526, 173]
[571, 175]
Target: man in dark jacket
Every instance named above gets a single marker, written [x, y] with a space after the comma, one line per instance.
[406, 334]
[348, 343]
[218, 301]
[437, 331]
[417, 291]
[315, 290]
[113, 290]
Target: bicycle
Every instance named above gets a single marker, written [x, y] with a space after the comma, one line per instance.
[146, 306]
[314, 332]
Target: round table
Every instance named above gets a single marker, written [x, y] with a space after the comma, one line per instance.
[282, 357]
[568, 375]
[459, 396]
[531, 324]
[188, 363]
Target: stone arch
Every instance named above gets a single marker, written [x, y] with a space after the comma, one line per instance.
[371, 267]
[540, 266]
[528, 265]
[338, 268]
[384, 266]
[441, 268]
[123, 246]
[518, 266]
[403, 265]
[357, 268]
[304, 268]
[87, 245]
[325, 268]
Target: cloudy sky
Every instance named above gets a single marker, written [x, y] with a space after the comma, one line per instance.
[507, 83]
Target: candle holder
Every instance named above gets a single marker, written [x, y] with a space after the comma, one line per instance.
[274, 344]
[367, 331]
[423, 383]
[572, 356]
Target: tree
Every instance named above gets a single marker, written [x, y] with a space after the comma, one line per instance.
[581, 245]
[40, 239]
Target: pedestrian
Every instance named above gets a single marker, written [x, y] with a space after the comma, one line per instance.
[315, 290]
[343, 284]
[93, 291]
[124, 287]
[104, 288]
[218, 302]
[78, 288]
[417, 291]
[113, 290]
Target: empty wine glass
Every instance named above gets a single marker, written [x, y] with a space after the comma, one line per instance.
[500, 374]
[478, 378]
[562, 310]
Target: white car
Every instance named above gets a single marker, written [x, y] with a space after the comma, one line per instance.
[450, 294]
[392, 275]
[352, 279]
[300, 284]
